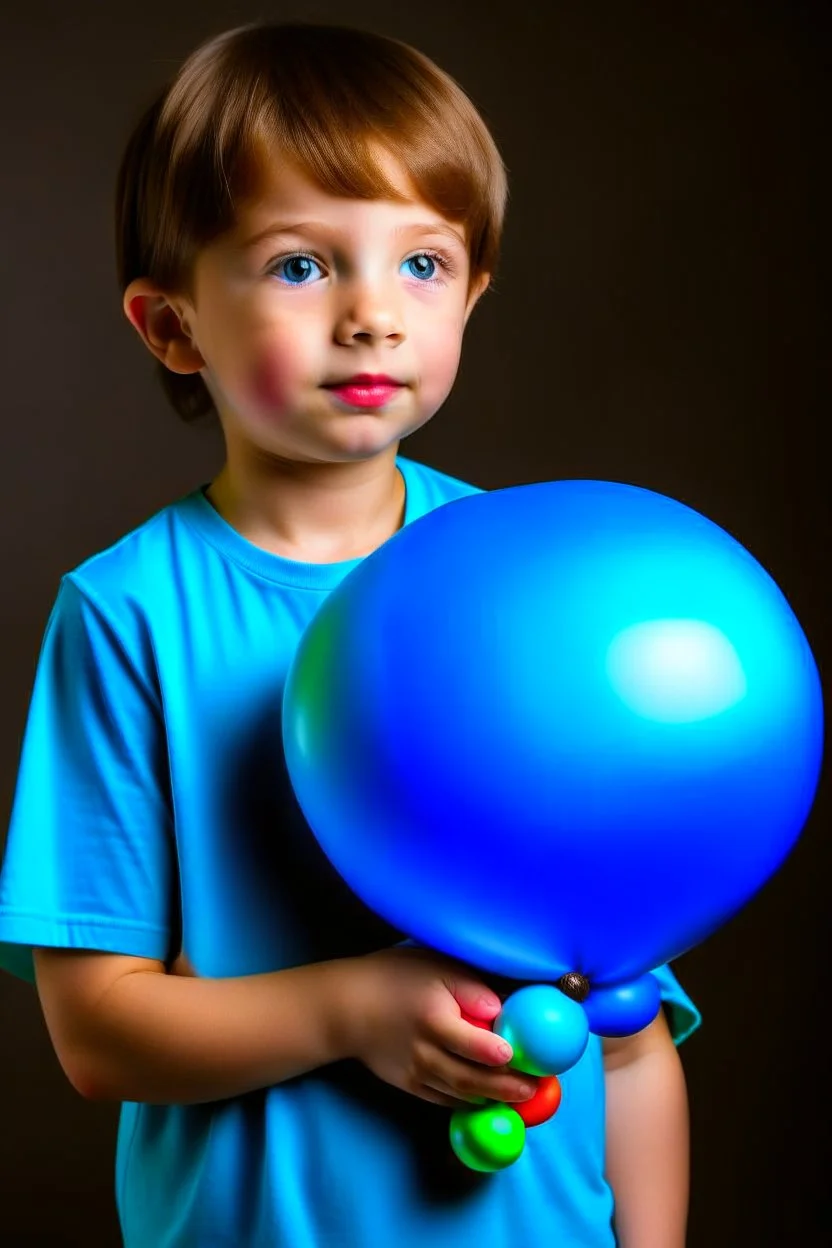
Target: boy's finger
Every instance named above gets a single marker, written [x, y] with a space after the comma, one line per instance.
[452, 1095]
[438, 1096]
[473, 997]
[473, 1042]
[471, 1081]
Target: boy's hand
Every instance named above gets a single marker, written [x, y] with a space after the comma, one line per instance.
[404, 1023]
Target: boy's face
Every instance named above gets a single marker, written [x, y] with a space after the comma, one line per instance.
[381, 289]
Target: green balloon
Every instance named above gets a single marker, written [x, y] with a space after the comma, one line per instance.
[487, 1139]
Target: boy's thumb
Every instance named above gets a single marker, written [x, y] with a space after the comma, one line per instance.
[474, 998]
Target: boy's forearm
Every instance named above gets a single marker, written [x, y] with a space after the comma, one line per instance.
[171, 1039]
[648, 1153]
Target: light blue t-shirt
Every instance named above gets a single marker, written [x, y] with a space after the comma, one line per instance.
[153, 812]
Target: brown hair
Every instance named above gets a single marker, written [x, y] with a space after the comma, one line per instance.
[321, 96]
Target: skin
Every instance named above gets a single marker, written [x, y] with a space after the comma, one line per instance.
[304, 477]
[648, 1159]
[309, 480]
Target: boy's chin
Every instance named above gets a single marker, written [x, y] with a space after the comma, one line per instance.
[361, 443]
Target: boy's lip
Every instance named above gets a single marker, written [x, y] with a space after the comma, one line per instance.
[362, 393]
[364, 379]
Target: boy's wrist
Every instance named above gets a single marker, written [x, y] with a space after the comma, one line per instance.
[354, 998]
[344, 1010]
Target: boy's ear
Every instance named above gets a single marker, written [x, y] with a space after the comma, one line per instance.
[479, 288]
[160, 322]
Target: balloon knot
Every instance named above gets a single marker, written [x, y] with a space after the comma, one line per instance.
[574, 985]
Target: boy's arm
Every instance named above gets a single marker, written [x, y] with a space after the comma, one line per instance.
[125, 1030]
[648, 1152]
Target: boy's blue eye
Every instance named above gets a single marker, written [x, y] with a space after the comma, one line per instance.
[422, 259]
[296, 268]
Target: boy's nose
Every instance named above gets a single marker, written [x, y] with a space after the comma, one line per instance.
[370, 316]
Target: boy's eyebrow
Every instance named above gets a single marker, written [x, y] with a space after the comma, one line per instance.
[299, 227]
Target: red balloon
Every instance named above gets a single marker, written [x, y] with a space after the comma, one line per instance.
[477, 1022]
[543, 1105]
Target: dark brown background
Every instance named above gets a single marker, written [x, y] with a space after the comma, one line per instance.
[657, 320]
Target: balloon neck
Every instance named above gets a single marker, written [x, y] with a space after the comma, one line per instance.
[575, 985]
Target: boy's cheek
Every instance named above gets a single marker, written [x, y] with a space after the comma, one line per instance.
[439, 366]
[268, 382]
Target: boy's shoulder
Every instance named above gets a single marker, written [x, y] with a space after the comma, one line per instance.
[133, 565]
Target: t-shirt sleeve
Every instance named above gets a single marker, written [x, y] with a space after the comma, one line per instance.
[682, 1015]
[90, 859]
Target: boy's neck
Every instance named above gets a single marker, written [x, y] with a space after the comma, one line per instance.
[312, 513]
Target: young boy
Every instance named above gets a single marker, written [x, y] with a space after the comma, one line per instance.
[306, 220]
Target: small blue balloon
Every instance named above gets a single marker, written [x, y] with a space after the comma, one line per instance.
[623, 1009]
[546, 1029]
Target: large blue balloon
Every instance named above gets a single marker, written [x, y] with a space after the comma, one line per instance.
[564, 726]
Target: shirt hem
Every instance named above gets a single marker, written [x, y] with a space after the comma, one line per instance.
[22, 931]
